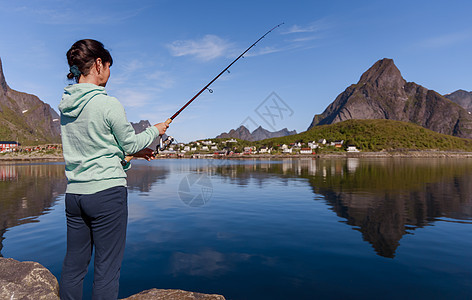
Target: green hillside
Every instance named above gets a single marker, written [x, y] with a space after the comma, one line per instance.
[377, 135]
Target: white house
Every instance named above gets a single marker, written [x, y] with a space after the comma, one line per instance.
[306, 151]
[214, 148]
[352, 149]
[287, 150]
[205, 148]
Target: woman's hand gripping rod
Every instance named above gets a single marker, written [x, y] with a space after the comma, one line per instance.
[206, 87]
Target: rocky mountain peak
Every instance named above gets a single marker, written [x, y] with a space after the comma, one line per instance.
[3, 83]
[25, 118]
[382, 93]
[461, 97]
[383, 73]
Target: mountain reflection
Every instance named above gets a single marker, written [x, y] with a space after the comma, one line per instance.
[31, 190]
[28, 191]
[384, 199]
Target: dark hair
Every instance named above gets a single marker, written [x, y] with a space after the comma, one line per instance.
[83, 54]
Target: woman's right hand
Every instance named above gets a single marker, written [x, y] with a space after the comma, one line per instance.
[162, 127]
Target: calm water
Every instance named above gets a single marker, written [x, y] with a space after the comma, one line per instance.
[261, 229]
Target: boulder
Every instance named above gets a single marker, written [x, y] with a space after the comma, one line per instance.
[158, 294]
[31, 281]
[26, 280]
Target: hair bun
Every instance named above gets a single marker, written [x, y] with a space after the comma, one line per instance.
[74, 70]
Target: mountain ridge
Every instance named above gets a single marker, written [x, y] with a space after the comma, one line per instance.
[258, 134]
[25, 118]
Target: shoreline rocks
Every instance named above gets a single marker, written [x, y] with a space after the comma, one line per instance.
[30, 280]
[381, 154]
[160, 294]
[26, 280]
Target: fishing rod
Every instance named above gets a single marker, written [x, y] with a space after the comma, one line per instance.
[207, 87]
[164, 143]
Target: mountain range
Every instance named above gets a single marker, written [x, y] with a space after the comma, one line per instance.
[382, 93]
[25, 118]
[258, 134]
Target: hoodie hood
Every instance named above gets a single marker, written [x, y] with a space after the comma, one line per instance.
[76, 96]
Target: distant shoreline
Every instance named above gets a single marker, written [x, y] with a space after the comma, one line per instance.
[402, 154]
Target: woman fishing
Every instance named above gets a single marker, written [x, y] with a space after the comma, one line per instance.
[96, 138]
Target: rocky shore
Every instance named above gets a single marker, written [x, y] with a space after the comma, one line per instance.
[6, 158]
[31, 281]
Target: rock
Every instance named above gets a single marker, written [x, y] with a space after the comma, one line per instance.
[158, 294]
[26, 280]
[31, 281]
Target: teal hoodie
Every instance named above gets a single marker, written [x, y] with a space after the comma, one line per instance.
[96, 136]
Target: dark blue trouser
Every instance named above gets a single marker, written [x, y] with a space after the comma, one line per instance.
[98, 220]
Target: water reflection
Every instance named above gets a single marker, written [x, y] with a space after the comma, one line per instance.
[384, 199]
[27, 192]
[143, 175]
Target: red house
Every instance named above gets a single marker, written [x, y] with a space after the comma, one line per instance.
[8, 146]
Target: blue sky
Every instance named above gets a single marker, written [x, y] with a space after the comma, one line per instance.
[166, 51]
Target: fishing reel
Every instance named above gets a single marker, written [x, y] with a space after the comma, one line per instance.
[164, 143]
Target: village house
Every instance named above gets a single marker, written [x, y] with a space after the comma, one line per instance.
[8, 146]
[337, 144]
[313, 145]
[264, 150]
[249, 150]
[306, 151]
[322, 141]
[287, 150]
[352, 149]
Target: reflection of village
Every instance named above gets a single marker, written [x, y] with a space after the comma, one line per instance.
[8, 173]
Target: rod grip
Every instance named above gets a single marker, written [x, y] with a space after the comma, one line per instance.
[126, 160]
[168, 121]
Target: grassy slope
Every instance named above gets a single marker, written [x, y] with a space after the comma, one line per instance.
[14, 128]
[377, 135]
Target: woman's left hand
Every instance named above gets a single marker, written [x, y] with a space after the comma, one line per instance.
[146, 153]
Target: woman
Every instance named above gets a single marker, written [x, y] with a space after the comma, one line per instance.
[96, 138]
